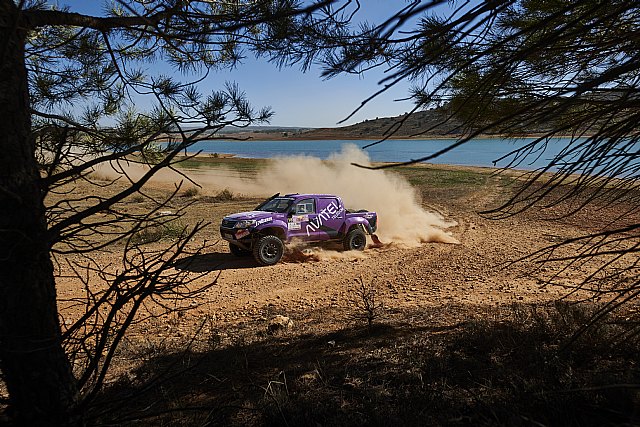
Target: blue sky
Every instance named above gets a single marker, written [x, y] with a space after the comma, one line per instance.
[307, 100]
[299, 99]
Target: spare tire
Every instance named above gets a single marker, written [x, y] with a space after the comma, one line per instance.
[268, 250]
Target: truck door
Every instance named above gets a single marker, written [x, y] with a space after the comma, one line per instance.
[328, 220]
[334, 211]
[301, 214]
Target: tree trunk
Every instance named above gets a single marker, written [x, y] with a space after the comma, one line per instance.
[37, 373]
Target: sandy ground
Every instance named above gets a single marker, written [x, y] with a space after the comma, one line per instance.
[477, 272]
[474, 272]
[428, 357]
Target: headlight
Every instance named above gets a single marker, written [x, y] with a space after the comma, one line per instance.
[245, 223]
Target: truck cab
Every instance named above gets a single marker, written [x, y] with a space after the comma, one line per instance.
[305, 217]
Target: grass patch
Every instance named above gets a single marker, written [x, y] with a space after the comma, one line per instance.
[98, 176]
[191, 192]
[250, 166]
[224, 196]
[171, 230]
[137, 198]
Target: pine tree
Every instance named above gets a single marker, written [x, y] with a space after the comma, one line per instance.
[68, 87]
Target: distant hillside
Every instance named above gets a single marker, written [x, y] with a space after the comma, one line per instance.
[262, 129]
[434, 123]
[421, 123]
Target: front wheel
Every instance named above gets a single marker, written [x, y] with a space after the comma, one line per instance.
[355, 240]
[268, 250]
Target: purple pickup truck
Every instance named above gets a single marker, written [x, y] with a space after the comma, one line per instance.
[307, 217]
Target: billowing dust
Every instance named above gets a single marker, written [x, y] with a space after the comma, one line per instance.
[298, 251]
[301, 253]
[401, 218]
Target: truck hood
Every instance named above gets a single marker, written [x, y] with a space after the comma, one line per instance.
[257, 215]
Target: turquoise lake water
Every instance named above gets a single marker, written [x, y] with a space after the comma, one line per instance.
[478, 152]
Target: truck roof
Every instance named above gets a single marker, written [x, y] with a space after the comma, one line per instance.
[306, 195]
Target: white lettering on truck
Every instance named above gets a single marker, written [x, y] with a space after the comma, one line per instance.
[332, 211]
[264, 220]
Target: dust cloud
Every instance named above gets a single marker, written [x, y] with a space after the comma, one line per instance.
[300, 253]
[401, 218]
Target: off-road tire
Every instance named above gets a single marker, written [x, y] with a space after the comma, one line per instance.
[238, 251]
[268, 250]
[355, 240]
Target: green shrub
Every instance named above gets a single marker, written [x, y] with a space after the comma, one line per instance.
[172, 230]
[137, 198]
[191, 192]
[224, 195]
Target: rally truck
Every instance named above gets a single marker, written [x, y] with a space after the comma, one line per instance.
[264, 231]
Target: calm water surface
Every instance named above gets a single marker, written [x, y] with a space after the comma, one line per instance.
[478, 152]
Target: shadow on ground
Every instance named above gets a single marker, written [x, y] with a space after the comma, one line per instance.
[473, 371]
[214, 261]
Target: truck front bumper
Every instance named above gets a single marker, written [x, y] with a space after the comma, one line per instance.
[234, 235]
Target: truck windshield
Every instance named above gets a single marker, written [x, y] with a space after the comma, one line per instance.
[279, 204]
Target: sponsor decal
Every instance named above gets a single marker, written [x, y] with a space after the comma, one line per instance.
[242, 233]
[294, 225]
[300, 218]
[332, 211]
[264, 220]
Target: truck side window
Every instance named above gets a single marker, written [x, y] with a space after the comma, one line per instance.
[306, 206]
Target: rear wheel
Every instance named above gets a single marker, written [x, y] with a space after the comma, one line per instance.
[268, 250]
[238, 251]
[355, 240]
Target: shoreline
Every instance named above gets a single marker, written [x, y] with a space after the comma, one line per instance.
[206, 155]
[258, 137]
[243, 136]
